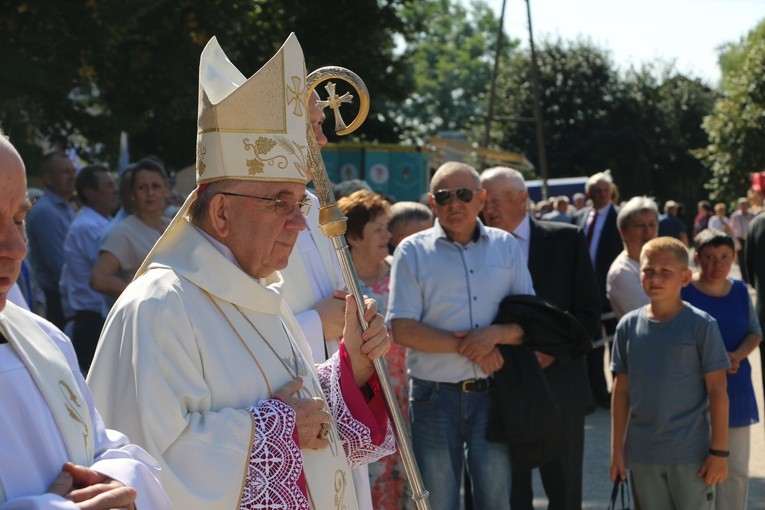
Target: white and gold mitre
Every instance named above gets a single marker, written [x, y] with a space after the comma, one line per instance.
[248, 129]
[255, 128]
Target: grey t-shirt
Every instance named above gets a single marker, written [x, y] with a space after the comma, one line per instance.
[666, 362]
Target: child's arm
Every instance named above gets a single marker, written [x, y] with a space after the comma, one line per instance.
[715, 468]
[620, 413]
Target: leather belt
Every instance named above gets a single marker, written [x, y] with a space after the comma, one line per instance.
[470, 385]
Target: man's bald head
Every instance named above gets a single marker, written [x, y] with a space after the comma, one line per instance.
[509, 176]
[13, 210]
[451, 168]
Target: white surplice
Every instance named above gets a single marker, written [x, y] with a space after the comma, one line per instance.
[191, 354]
[35, 442]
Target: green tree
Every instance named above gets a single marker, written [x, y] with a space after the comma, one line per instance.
[733, 55]
[641, 125]
[93, 69]
[736, 127]
[450, 50]
[579, 88]
[656, 128]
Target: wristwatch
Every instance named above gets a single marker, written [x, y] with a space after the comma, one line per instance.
[719, 453]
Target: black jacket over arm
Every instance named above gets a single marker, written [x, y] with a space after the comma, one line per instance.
[562, 273]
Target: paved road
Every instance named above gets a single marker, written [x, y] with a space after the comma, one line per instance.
[597, 486]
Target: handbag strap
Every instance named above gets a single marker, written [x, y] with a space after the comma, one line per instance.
[620, 491]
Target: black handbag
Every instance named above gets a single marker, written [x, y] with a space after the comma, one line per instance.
[620, 494]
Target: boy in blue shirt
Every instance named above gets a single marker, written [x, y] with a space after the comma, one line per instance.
[669, 391]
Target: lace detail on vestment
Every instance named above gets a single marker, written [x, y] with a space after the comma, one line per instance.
[275, 463]
[356, 437]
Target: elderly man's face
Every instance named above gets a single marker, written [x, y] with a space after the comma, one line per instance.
[505, 206]
[600, 193]
[13, 211]
[261, 237]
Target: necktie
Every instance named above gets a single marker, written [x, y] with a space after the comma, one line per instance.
[591, 228]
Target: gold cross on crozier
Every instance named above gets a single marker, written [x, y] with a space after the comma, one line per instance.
[334, 101]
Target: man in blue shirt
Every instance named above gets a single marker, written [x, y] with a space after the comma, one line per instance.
[446, 286]
[97, 191]
[48, 222]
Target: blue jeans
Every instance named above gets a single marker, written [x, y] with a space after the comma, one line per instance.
[448, 427]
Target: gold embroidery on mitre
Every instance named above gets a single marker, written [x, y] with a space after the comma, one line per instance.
[201, 151]
[341, 483]
[296, 94]
[290, 152]
[252, 128]
[73, 406]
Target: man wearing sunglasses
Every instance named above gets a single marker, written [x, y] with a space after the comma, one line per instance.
[447, 283]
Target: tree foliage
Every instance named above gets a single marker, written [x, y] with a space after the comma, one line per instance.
[578, 88]
[640, 125]
[450, 50]
[736, 127]
[88, 70]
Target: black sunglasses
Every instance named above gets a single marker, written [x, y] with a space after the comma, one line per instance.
[444, 196]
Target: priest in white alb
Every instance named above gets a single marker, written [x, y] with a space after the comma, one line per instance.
[54, 450]
[201, 361]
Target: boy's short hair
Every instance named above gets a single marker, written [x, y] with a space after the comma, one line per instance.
[714, 238]
[668, 244]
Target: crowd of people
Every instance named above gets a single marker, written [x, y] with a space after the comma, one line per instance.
[221, 340]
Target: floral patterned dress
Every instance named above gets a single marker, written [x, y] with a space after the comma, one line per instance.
[387, 478]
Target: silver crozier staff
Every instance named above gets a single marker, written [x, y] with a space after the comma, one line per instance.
[333, 225]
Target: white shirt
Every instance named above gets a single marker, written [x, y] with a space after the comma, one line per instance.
[522, 234]
[623, 287]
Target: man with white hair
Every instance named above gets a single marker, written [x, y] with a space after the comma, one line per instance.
[561, 272]
[54, 450]
[604, 244]
[201, 360]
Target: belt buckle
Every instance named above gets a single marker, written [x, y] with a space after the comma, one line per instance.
[466, 384]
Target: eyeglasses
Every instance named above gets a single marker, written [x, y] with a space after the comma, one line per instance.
[444, 196]
[281, 207]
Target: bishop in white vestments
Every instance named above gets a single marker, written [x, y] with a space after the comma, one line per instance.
[54, 449]
[201, 361]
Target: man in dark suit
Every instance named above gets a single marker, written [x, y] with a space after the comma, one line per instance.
[604, 244]
[755, 262]
[562, 273]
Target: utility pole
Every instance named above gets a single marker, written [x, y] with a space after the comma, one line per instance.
[537, 107]
[493, 83]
